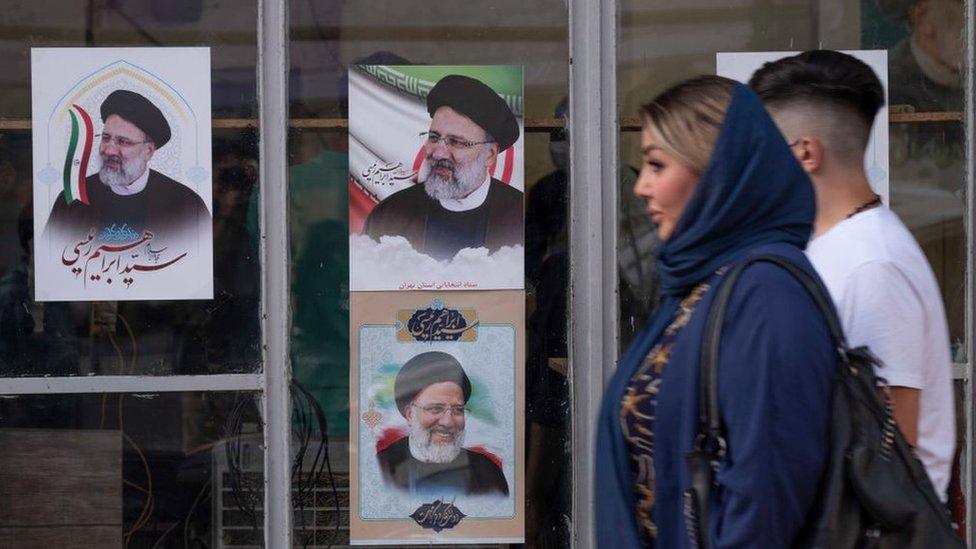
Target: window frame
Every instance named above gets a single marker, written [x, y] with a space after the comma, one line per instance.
[593, 308]
[273, 63]
[968, 469]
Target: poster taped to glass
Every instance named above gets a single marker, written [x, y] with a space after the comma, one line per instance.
[436, 177]
[122, 174]
[436, 428]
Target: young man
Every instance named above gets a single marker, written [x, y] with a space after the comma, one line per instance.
[824, 102]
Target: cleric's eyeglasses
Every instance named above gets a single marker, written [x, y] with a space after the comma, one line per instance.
[437, 410]
[454, 143]
[121, 142]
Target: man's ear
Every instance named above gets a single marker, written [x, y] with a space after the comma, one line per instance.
[809, 152]
[408, 413]
[152, 148]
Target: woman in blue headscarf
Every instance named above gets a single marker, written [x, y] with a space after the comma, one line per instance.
[721, 185]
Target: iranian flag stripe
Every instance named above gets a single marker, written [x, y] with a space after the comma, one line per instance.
[86, 155]
[76, 159]
[69, 197]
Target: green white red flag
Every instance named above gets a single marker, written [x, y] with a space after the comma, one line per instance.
[79, 152]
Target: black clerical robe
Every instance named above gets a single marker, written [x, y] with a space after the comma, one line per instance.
[165, 207]
[470, 473]
[440, 233]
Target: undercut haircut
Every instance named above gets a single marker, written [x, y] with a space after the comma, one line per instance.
[686, 118]
[835, 93]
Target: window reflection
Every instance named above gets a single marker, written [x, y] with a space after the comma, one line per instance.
[663, 44]
[924, 39]
[134, 470]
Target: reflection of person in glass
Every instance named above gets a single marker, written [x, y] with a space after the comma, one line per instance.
[459, 205]
[926, 74]
[926, 67]
[125, 192]
[431, 392]
[928, 158]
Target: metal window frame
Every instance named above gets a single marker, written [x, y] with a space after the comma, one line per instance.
[969, 123]
[131, 384]
[593, 334]
[276, 401]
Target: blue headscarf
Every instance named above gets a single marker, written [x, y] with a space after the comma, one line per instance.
[752, 193]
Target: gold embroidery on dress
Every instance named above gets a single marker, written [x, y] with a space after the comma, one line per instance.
[645, 386]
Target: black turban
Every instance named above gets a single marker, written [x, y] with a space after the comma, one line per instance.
[479, 103]
[138, 110]
[426, 369]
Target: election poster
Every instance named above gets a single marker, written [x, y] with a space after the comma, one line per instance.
[122, 174]
[436, 422]
[436, 178]
[740, 66]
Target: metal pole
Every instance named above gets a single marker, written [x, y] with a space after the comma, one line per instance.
[593, 235]
[969, 121]
[130, 384]
[276, 401]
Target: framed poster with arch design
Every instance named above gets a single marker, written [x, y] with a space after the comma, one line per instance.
[122, 174]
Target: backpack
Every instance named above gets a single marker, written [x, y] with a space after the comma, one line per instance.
[874, 493]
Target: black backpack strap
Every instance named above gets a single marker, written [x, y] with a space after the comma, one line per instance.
[710, 445]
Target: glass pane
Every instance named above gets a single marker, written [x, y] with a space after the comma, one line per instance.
[661, 44]
[131, 470]
[150, 337]
[325, 39]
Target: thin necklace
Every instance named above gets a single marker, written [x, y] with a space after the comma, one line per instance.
[876, 201]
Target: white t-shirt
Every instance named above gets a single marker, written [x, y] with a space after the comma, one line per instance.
[888, 299]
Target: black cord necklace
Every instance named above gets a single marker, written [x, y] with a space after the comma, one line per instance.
[876, 201]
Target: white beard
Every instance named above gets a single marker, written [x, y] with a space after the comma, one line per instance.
[128, 171]
[426, 450]
[459, 184]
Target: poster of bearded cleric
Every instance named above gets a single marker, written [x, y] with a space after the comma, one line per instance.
[122, 174]
[436, 177]
[436, 429]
